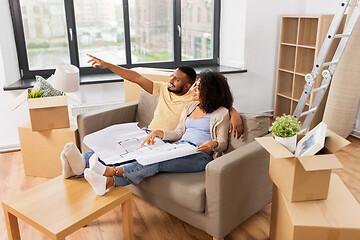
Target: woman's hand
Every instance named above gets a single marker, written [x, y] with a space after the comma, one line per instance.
[150, 139]
[236, 126]
[207, 146]
[97, 63]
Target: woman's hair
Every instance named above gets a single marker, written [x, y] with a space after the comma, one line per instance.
[214, 91]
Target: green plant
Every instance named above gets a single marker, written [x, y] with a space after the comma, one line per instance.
[285, 126]
[35, 94]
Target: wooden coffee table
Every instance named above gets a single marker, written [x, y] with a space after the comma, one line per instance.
[60, 206]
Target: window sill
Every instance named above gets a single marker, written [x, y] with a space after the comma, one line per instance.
[112, 77]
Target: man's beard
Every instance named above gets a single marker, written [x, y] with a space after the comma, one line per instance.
[178, 91]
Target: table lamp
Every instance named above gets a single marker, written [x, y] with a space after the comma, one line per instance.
[66, 78]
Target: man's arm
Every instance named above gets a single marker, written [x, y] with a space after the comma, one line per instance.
[127, 74]
[236, 125]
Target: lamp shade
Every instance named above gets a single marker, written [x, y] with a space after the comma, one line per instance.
[66, 78]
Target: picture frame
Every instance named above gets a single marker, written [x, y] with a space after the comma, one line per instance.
[312, 142]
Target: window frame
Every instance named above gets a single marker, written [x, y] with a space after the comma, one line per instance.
[26, 73]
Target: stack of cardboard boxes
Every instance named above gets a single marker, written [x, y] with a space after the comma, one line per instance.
[308, 201]
[44, 137]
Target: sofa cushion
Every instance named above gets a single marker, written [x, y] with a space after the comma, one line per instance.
[146, 108]
[255, 125]
[184, 189]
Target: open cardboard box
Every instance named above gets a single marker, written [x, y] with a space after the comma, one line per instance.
[337, 217]
[303, 178]
[46, 113]
[41, 150]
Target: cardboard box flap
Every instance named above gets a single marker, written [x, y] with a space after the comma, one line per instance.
[334, 142]
[159, 71]
[320, 162]
[20, 99]
[74, 97]
[47, 102]
[274, 148]
[339, 210]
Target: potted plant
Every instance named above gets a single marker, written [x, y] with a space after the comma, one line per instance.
[285, 129]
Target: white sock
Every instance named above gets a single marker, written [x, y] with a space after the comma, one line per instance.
[75, 159]
[95, 165]
[66, 172]
[97, 181]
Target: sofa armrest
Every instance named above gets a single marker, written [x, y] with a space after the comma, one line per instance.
[97, 120]
[237, 186]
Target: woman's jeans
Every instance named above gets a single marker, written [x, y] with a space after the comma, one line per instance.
[134, 172]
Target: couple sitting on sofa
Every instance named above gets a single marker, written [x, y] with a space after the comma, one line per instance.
[204, 122]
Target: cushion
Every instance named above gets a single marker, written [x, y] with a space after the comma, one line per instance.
[255, 125]
[184, 189]
[146, 108]
[45, 87]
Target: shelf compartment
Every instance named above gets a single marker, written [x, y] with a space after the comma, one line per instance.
[289, 30]
[305, 60]
[308, 31]
[283, 105]
[287, 57]
[285, 83]
[299, 83]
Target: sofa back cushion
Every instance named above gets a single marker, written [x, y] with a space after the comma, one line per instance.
[255, 124]
[146, 108]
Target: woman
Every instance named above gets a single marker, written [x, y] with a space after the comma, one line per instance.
[204, 123]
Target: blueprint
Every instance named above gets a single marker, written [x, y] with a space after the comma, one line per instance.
[122, 142]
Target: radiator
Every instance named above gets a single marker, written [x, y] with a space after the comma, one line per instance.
[81, 109]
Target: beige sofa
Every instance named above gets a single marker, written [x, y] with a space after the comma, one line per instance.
[231, 189]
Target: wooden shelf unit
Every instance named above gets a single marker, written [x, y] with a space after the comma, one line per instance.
[301, 38]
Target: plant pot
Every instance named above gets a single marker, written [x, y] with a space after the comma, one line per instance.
[289, 143]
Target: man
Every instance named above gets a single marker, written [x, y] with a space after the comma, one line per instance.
[173, 96]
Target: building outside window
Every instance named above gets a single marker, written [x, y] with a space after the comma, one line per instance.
[202, 34]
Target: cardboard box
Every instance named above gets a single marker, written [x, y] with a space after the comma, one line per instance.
[41, 150]
[132, 90]
[336, 218]
[45, 113]
[303, 178]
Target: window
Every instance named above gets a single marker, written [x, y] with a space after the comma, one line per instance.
[45, 35]
[199, 15]
[201, 34]
[208, 15]
[100, 31]
[130, 33]
[157, 26]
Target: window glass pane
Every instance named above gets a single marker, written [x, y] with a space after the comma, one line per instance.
[200, 31]
[45, 33]
[151, 30]
[100, 30]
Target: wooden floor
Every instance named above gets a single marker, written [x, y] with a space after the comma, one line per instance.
[151, 223]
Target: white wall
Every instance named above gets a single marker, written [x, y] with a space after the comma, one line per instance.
[255, 89]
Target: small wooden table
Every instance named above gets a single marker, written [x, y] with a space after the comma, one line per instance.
[60, 206]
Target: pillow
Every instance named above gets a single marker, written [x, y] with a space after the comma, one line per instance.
[45, 87]
[255, 125]
[146, 108]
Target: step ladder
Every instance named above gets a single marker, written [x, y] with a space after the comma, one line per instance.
[319, 63]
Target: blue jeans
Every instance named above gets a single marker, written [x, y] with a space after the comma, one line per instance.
[135, 172]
